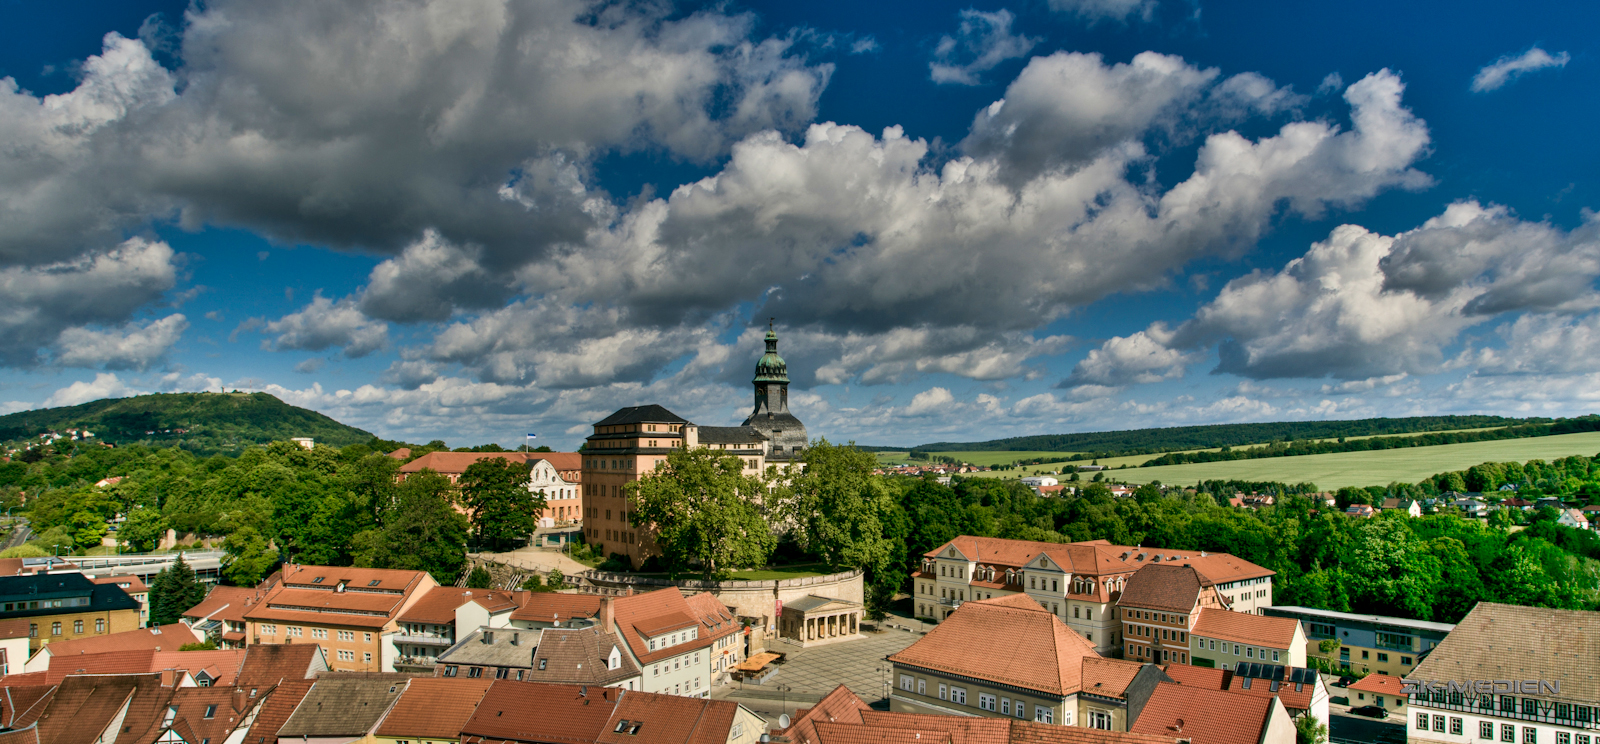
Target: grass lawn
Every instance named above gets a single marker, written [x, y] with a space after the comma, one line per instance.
[1370, 468]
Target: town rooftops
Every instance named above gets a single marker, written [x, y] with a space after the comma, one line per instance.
[496, 647]
[1096, 558]
[215, 667]
[161, 638]
[557, 607]
[344, 705]
[433, 708]
[1246, 627]
[337, 595]
[357, 581]
[565, 714]
[1109, 677]
[455, 463]
[1501, 641]
[268, 664]
[21, 705]
[839, 721]
[1381, 684]
[202, 714]
[438, 606]
[1166, 588]
[16, 627]
[841, 706]
[964, 644]
[652, 414]
[579, 656]
[668, 719]
[281, 703]
[1295, 686]
[1204, 716]
[642, 616]
[63, 586]
[225, 603]
[128, 582]
[92, 703]
[1348, 617]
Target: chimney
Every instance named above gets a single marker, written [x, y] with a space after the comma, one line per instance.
[608, 618]
[515, 638]
[488, 636]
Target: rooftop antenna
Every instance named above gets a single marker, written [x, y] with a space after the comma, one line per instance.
[769, 323]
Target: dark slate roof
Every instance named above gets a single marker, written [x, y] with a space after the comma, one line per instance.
[103, 597]
[339, 706]
[642, 414]
[730, 435]
[1166, 588]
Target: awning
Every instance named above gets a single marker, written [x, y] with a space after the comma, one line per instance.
[755, 663]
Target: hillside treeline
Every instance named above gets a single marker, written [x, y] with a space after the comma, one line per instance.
[1308, 447]
[202, 423]
[1154, 441]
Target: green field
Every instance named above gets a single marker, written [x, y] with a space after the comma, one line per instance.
[1369, 468]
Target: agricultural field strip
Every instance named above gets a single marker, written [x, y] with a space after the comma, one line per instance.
[1371, 468]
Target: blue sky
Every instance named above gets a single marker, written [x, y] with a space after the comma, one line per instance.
[474, 220]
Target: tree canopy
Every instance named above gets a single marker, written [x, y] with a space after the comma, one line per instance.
[503, 510]
[707, 514]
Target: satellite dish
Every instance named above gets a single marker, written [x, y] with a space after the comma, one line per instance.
[783, 721]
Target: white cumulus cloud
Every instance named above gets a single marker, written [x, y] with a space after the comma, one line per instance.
[133, 346]
[982, 41]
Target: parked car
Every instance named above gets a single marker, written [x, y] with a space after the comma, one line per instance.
[1370, 711]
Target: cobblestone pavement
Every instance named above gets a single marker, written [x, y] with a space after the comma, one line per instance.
[812, 672]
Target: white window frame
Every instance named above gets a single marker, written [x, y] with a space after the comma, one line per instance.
[986, 702]
[958, 695]
[944, 691]
[1043, 714]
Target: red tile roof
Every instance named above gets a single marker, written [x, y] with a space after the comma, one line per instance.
[1028, 732]
[1097, 558]
[91, 703]
[562, 715]
[1246, 627]
[166, 637]
[1165, 588]
[457, 462]
[1208, 678]
[14, 628]
[134, 584]
[669, 719]
[310, 595]
[654, 612]
[1108, 677]
[268, 664]
[961, 729]
[193, 703]
[554, 606]
[20, 705]
[839, 706]
[1203, 716]
[280, 704]
[439, 605]
[434, 708]
[840, 733]
[965, 644]
[225, 603]
[1381, 684]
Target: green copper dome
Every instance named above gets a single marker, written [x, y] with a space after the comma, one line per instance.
[771, 367]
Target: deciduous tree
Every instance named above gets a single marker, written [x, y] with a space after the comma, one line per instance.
[705, 512]
[503, 509]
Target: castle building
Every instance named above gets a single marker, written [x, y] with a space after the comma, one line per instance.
[771, 417]
[633, 441]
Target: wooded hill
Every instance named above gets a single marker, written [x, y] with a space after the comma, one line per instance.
[1152, 441]
[203, 423]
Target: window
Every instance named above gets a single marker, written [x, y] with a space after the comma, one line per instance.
[1274, 655]
[367, 657]
[77, 627]
[475, 672]
[1530, 735]
[33, 630]
[905, 682]
[944, 692]
[1021, 710]
[922, 687]
[450, 671]
[1422, 721]
[1383, 656]
[1486, 730]
[1005, 706]
[1043, 714]
[55, 628]
[985, 701]
[1099, 719]
[958, 695]
[99, 625]
[1088, 614]
[1406, 660]
[1250, 653]
[319, 633]
[1508, 732]
[347, 655]
[1438, 723]
[1455, 726]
